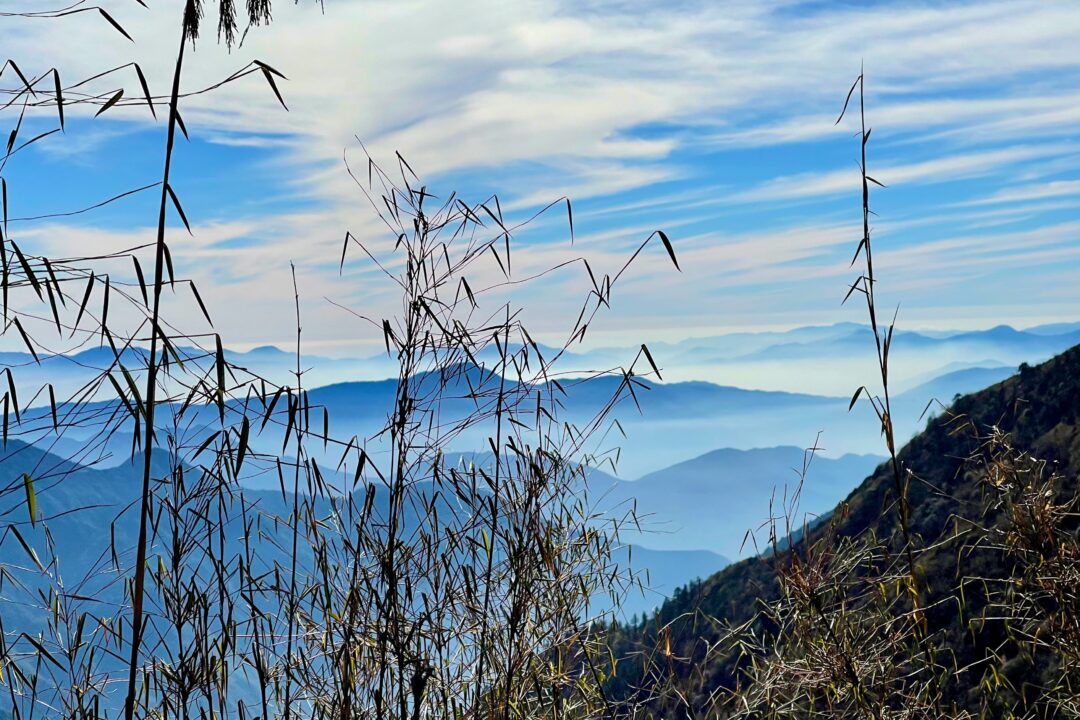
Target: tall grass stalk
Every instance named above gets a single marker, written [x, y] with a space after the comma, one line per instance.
[389, 577]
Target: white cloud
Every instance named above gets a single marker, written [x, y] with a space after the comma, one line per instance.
[964, 119]
[552, 97]
[938, 170]
[1041, 191]
[483, 83]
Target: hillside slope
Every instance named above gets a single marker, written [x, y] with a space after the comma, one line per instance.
[1039, 408]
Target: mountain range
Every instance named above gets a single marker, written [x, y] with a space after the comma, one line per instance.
[744, 445]
[662, 424]
[818, 360]
[89, 510]
[717, 501]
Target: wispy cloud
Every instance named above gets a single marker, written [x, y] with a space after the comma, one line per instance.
[713, 119]
[933, 171]
[1040, 191]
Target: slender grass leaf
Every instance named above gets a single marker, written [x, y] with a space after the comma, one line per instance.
[142, 280]
[388, 335]
[468, 292]
[105, 306]
[41, 648]
[855, 397]
[267, 68]
[112, 101]
[404, 162]
[242, 446]
[848, 100]
[273, 86]
[220, 363]
[570, 219]
[290, 421]
[146, 90]
[22, 77]
[31, 498]
[652, 363]
[115, 24]
[55, 280]
[670, 250]
[134, 388]
[26, 339]
[13, 393]
[854, 286]
[59, 97]
[27, 270]
[206, 443]
[273, 403]
[498, 260]
[123, 396]
[202, 306]
[180, 124]
[168, 263]
[37, 137]
[52, 407]
[26, 546]
[179, 209]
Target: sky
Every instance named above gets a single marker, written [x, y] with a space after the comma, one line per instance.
[713, 121]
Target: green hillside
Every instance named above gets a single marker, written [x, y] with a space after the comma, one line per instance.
[687, 664]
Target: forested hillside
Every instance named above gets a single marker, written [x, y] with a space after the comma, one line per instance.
[688, 655]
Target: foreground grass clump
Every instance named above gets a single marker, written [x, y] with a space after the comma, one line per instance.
[386, 578]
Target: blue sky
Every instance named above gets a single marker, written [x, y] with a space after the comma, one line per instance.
[712, 120]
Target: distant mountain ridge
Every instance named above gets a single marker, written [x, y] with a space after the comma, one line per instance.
[78, 502]
[713, 500]
[1000, 337]
[719, 359]
[666, 423]
[660, 573]
[959, 382]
